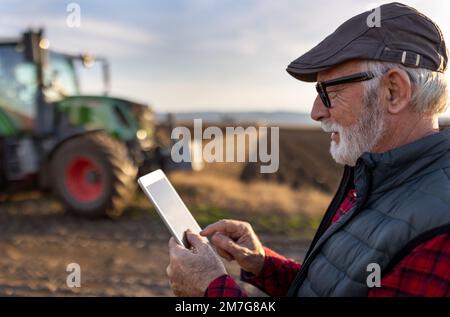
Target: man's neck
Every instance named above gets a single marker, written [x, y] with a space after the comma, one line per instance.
[407, 132]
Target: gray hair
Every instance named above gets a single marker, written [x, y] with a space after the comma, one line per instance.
[430, 91]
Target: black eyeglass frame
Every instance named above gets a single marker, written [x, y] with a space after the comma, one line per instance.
[321, 86]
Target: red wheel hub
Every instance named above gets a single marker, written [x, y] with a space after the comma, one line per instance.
[84, 179]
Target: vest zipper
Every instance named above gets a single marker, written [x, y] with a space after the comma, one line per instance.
[343, 188]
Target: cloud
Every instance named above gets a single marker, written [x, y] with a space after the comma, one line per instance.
[116, 32]
[94, 35]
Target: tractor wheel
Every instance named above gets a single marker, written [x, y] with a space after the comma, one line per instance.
[93, 175]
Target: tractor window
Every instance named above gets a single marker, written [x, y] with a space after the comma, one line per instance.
[122, 118]
[60, 77]
[18, 83]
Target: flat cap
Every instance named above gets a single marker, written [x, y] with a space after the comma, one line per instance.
[401, 35]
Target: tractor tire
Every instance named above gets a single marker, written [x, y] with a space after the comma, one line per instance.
[93, 175]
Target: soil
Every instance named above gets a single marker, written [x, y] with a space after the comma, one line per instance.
[126, 257]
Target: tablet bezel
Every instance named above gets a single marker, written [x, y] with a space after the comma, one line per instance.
[153, 177]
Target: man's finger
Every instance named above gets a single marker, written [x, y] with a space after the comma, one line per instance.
[223, 242]
[173, 244]
[174, 248]
[224, 254]
[228, 227]
[221, 225]
[220, 250]
[195, 239]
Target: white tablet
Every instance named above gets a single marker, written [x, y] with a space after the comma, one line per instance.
[169, 205]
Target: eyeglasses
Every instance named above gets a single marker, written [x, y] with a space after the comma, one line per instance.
[321, 86]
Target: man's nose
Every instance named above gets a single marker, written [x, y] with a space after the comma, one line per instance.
[319, 111]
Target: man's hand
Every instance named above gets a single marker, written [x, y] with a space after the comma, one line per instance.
[191, 271]
[236, 240]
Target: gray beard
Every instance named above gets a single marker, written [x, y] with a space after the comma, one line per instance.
[359, 138]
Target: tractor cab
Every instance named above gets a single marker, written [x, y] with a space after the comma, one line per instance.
[87, 149]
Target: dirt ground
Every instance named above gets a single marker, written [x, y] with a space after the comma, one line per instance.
[304, 161]
[127, 257]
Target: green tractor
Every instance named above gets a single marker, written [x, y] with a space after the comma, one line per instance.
[88, 150]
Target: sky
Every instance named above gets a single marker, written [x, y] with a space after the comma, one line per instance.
[197, 55]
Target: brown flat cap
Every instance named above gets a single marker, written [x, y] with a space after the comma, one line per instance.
[403, 35]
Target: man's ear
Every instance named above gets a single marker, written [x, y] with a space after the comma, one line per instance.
[397, 90]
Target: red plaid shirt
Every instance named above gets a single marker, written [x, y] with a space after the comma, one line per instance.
[425, 271]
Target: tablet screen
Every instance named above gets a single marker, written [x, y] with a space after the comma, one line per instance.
[172, 207]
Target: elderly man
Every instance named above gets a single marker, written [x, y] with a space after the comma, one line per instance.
[380, 91]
